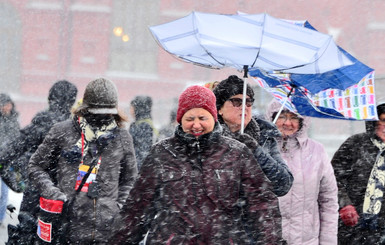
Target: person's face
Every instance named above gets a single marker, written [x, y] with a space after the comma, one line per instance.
[6, 109]
[197, 121]
[231, 112]
[288, 123]
[99, 120]
[380, 129]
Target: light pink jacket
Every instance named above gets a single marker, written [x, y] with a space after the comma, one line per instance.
[310, 209]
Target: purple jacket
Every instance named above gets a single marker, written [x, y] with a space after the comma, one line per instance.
[310, 209]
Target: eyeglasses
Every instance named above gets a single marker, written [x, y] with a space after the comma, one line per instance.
[237, 102]
[283, 118]
[381, 122]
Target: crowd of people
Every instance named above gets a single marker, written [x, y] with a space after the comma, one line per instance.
[88, 176]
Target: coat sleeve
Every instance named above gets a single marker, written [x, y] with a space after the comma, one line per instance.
[42, 162]
[274, 167]
[138, 209]
[128, 169]
[342, 161]
[261, 211]
[328, 203]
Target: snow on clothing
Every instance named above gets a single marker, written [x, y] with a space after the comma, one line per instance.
[267, 153]
[353, 163]
[9, 129]
[61, 97]
[117, 172]
[310, 209]
[193, 191]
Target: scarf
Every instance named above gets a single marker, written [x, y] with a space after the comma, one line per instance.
[92, 134]
[375, 188]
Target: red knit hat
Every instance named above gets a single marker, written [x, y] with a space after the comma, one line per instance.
[196, 97]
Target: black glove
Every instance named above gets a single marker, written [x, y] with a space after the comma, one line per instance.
[246, 139]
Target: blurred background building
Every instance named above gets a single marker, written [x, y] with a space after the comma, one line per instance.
[42, 41]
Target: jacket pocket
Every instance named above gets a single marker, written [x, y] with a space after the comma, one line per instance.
[225, 184]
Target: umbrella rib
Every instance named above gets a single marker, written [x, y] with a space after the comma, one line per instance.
[179, 36]
[288, 40]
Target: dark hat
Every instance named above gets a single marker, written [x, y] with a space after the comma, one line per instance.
[62, 94]
[101, 97]
[5, 99]
[229, 87]
[196, 97]
[142, 106]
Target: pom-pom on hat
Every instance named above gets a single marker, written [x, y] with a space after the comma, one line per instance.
[196, 97]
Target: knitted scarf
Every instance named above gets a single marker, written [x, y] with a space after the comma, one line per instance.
[93, 134]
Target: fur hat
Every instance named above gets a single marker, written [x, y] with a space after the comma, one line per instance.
[62, 95]
[196, 97]
[142, 106]
[229, 87]
[101, 97]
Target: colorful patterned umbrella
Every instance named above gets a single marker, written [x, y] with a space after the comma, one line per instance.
[357, 102]
[350, 97]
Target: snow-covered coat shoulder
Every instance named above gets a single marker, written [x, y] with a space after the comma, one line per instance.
[53, 170]
[195, 191]
[310, 209]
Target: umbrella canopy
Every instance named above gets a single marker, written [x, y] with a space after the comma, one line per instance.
[344, 93]
[357, 102]
[262, 41]
[249, 41]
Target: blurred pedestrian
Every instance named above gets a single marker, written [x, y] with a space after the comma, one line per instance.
[360, 171]
[169, 129]
[310, 209]
[9, 129]
[14, 159]
[86, 162]
[259, 135]
[142, 129]
[199, 187]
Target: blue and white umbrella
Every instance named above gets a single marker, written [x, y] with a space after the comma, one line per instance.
[349, 92]
[249, 41]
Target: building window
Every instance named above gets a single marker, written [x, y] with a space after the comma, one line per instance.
[133, 49]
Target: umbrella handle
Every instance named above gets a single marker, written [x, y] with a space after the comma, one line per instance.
[283, 104]
[246, 70]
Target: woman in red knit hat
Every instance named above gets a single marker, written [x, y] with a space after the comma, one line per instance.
[198, 187]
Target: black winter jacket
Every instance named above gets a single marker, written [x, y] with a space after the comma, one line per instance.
[353, 163]
[208, 190]
[267, 154]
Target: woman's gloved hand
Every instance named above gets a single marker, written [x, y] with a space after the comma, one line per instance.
[246, 139]
[349, 215]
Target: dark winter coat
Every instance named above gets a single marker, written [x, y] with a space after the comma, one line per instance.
[9, 128]
[267, 153]
[205, 191]
[142, 135]
[88, 220]
[353, 163]
[16, 156]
